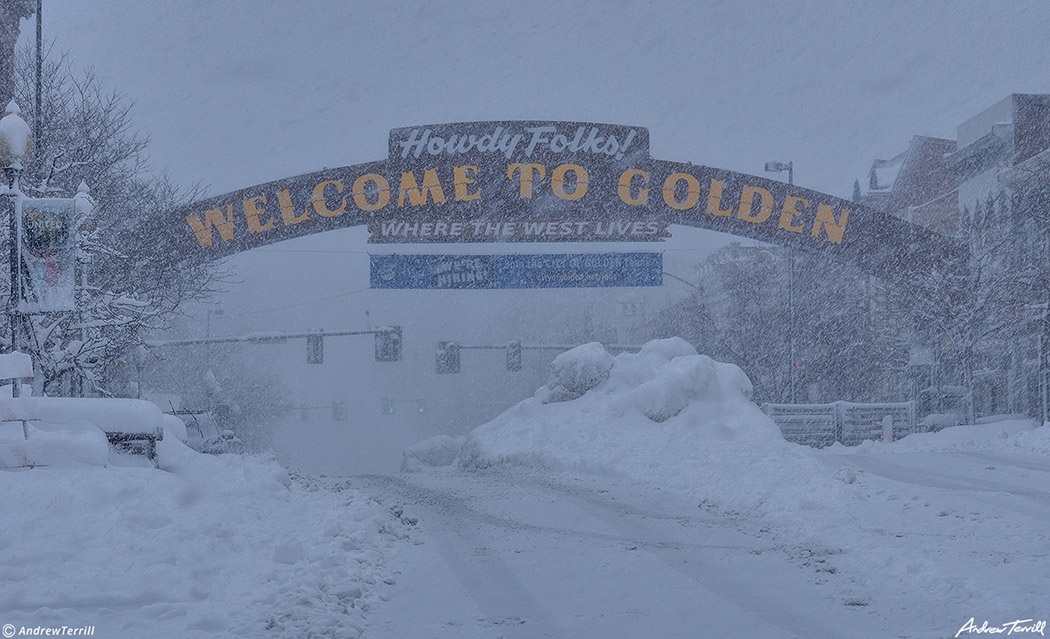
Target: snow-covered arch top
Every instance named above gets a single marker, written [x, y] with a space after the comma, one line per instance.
[522, 181]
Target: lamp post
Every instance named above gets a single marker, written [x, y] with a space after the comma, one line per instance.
[780, 167]
[16, 142]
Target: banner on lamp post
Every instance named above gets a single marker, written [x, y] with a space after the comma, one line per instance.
[48, 254]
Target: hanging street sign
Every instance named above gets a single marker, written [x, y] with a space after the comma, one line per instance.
[48, 254]
[575, 270]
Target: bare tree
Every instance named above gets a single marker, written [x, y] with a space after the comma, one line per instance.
[131, 278]
[971, 308]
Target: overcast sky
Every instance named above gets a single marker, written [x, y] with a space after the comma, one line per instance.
[238, 92]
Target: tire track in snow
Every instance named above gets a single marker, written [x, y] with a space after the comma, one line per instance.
[986, 491]
[734, 582]
[947, 481]
[1006, 461]
[726, 581]
[446, 519]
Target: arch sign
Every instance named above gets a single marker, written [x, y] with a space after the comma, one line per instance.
[530, 181]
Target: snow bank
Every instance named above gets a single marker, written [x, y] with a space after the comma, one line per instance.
[72, 444]
[16, 365]
[441, 450]
[71, 431]
[217, 546]
[666, 416]
[1014, 435]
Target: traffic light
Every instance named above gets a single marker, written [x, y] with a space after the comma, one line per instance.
[447, 357]
[388, 406]
[388, 344]
[514, 356]
[315, 349]
[339, 411]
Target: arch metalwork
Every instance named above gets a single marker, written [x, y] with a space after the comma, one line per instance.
[531, 181]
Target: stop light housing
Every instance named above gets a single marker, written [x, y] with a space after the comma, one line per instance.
[388, 344]
[514, 356]
[447, 357]
[339, 411]
[315, 349]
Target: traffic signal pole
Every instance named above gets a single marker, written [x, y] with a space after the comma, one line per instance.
[448, 360]
[388, 341]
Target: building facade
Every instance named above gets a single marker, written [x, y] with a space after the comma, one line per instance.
[990, 189]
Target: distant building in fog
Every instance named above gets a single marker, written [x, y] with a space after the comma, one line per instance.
[994, 178]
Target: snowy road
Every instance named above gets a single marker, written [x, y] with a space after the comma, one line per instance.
[525, 553]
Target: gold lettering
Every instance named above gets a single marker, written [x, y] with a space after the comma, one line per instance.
[321, 205]
[382, 192]
[284, 199]
[417, 196]
[789, 211]
[558, 181]
[459, 174]
[252, 212]
[212, 217]
[624, 187]
[747, 199]
[526, 170]
[714, 200]
[692, 195]
[826, 220]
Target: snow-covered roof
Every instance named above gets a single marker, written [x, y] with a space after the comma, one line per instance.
[884, 172]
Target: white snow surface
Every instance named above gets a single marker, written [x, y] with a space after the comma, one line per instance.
[204, 546]
[71, 430]
[666, 416]
[926, 532]
[15, 365]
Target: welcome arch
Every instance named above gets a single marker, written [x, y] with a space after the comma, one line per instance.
[528, 181]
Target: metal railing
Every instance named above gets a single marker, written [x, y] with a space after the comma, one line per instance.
[849, 423]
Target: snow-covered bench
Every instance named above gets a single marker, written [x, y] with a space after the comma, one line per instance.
[131, 425]
[137, 443]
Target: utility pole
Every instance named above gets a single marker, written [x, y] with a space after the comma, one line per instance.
[37, 115]
[778, 167]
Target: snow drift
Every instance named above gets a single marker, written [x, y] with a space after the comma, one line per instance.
[204, 546]
[665, 415]
[67, 431]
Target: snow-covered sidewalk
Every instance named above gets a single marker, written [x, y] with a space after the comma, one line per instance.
[204, 547]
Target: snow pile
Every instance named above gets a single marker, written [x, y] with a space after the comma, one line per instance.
[665, 416]
[1014, 435]
[208, 546]
[15, 365]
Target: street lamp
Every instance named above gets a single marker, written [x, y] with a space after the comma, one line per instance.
[16, 143]
[780, 167]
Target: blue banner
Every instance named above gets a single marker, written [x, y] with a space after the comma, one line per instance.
[575, 270]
